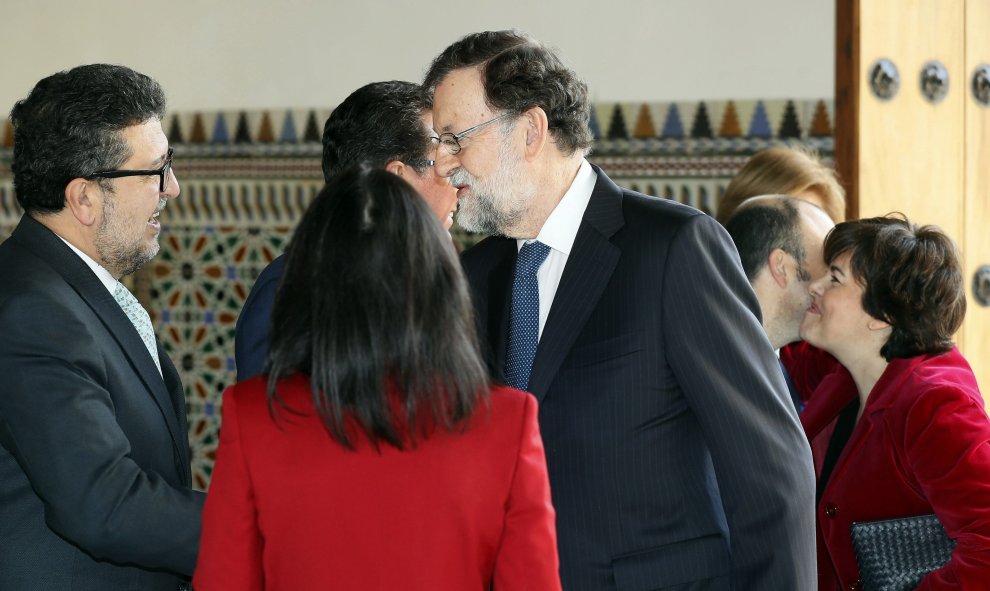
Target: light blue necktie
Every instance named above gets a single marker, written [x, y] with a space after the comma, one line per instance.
[139, 318]
[524, 318]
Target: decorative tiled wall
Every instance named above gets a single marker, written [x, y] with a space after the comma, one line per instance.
[246, 178]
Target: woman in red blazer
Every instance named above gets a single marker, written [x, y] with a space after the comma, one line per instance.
[899, 429]
[376, 455]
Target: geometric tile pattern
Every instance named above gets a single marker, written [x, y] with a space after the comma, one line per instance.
[198, 283]
[247, 177]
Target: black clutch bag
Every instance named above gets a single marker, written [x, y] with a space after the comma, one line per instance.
[895, 554]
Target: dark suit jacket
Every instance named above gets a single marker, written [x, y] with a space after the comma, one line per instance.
[674, 451]
[94, 464]
[291, 509]
[253, 323]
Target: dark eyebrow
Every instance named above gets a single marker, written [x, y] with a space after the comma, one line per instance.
[838, 270]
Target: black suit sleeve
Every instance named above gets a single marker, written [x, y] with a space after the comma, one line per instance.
[62, 423]
[731, 379]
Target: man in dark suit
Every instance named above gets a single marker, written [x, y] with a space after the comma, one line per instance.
[94, 464]
[385, 124]
[676, 460]
[780, 239]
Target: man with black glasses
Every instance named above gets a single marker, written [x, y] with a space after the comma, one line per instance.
[94, 458]
[385, 125]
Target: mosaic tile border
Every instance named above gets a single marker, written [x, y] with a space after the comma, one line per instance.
[756, 119]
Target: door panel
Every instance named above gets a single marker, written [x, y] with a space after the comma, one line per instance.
[975, 341]
[929, 161]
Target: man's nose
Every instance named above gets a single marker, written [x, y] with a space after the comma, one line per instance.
[815, 287]
[172, 188]
[445, 162]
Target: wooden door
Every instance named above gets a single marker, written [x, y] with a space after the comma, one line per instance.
[975, 339]
[930, 161]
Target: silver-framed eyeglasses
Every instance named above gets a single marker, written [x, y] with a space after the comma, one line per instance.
[163, 172]
[452, 141]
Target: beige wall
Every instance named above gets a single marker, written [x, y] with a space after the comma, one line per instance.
[225, 54]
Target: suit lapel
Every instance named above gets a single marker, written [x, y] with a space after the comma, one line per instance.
[37, 238]
[173, 384]
[851, 450]
[880, 398]
[589, 268]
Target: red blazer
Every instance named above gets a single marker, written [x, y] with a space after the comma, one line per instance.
[289, 508]
[921, 446]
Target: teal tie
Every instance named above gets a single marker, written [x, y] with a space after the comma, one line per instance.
[139, 318]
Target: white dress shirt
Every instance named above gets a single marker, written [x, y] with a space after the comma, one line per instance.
[108, 280]
[559, 232]
[105, 277]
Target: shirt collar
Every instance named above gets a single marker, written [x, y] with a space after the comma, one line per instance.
[561, 228]
[108, 280]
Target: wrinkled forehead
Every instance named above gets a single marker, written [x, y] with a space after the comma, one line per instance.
[459, 101]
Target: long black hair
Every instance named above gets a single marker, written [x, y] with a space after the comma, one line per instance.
[373, 307]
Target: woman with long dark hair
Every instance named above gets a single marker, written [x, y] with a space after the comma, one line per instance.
[375, 454]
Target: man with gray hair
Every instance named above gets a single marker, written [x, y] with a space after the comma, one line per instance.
[675, 458]
[95, 485]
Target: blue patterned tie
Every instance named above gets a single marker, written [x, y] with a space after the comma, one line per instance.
[524, 319]
[139, 318]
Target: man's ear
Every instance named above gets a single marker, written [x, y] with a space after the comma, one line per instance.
[396, 167]
[877, 324]
[537, 131]
[85, 200]
[777, 265]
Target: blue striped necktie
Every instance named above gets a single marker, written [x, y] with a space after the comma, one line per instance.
[524, 318]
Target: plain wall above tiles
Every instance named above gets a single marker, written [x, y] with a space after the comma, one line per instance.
[258, 54]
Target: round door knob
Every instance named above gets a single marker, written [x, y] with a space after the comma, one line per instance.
[981, 84]
[981, 285]
[884, 79]
[934, 81]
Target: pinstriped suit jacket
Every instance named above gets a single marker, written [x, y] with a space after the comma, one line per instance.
[676, 459]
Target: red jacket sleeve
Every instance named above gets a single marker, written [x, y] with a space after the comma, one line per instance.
[807, 366]
[527, 555]
[230, 549]
[947, 449]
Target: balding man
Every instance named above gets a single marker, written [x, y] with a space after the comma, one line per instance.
[780, 239]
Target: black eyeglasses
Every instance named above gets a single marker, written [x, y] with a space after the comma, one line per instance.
[452, 141]
[162, 172]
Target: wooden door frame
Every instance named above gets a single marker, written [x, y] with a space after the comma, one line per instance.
[847, 86]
